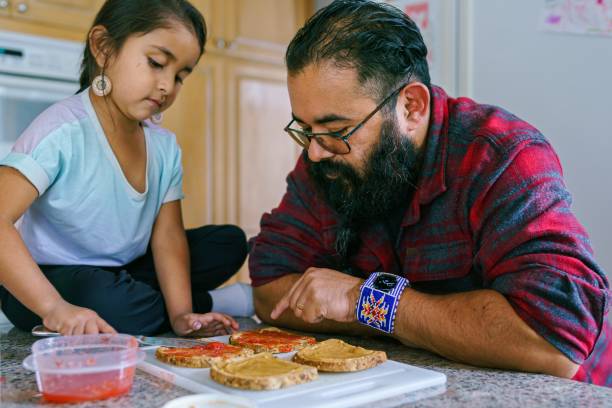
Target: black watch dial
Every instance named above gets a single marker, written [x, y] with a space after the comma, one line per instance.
[385, 282]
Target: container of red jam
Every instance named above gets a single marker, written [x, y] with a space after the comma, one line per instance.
[84, 368]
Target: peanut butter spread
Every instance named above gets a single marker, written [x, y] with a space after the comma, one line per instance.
[335, 349]
[261, 367]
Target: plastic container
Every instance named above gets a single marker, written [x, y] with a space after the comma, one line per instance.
[84, 368]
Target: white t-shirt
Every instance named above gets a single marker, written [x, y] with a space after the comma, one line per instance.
[87, 213]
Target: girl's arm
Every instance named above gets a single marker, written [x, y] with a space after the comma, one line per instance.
[22, 277]
[171, 258]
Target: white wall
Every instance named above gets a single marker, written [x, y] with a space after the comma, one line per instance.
[321, 3]
[560, 83]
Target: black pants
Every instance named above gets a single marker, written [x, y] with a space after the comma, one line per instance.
[129, 297]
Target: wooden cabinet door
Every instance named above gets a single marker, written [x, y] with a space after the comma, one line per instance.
[196, 117]
[261, 29]
[213, 12]
[76, 15]
[5, 8]
[257, 153]
[260, 153]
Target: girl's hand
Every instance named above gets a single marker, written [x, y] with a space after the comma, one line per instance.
[71, 320]
[204, 325]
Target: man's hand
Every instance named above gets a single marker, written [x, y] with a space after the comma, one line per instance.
[321, 294]
[71, 320]
[203, 325]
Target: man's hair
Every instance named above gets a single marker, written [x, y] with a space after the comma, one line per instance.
[379, 41]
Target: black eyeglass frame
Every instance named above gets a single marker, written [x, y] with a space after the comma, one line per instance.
[337, 135]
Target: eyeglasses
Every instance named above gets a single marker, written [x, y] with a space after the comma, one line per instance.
[334, 142]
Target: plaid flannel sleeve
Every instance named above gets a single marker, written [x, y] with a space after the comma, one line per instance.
[533, 250]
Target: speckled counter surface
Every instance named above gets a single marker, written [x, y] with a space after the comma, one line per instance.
[466, 386]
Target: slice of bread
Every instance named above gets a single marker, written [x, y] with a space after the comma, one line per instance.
[271, 340]
[337, 356]
[201, 356]
[262, 372]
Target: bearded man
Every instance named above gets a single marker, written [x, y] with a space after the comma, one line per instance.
[439, 221]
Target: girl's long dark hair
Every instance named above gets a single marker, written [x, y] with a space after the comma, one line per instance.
[123, 18]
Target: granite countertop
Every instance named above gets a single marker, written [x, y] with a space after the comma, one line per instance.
[466, 385]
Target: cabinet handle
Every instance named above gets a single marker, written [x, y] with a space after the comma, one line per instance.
[223, 44]
[22, 8]
[4, 4]
[220, 43]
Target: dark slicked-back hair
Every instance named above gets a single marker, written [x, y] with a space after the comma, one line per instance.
[378, 40]
[124, 18]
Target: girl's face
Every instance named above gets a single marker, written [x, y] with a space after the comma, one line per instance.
[149, 70]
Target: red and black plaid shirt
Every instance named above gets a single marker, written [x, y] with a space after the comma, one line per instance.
[491, 211]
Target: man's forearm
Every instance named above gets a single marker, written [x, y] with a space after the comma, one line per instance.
[268, 295]
[479, 328]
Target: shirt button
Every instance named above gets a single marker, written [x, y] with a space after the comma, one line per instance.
[412, 251]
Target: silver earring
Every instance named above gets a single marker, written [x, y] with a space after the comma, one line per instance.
[101, 85]
[157, 118]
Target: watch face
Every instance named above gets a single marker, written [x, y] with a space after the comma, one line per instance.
[385, 282]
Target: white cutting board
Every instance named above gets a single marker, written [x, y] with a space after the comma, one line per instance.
[330, 390]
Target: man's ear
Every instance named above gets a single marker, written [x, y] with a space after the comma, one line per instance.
[412, 107]
[98, 44]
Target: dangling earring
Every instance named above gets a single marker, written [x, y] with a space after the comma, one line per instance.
[101, 85]
[157, 118]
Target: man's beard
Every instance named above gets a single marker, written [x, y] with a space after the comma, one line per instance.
[386, 184]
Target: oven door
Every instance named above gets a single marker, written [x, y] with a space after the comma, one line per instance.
[22, 99]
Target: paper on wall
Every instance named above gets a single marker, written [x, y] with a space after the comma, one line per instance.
[586, 17]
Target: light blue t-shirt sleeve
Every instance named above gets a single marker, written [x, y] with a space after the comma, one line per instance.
[40, 162]
[175, 191]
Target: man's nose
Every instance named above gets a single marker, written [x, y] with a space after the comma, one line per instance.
[316, 152]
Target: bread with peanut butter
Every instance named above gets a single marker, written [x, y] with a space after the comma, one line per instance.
[262, 372]
[337, 356]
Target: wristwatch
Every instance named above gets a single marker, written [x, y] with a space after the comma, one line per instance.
[379, 299]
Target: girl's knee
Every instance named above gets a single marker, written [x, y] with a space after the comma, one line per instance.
[233, 235]
[237, 241]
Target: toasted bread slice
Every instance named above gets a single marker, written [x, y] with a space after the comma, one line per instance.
[262, 372]
[337, 356]
[271, 340]
[201, 356]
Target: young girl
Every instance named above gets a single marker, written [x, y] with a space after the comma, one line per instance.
[101, 246]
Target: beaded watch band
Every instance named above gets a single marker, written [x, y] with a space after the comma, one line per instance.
[378, 300]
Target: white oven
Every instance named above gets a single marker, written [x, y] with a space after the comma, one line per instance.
[35, 72]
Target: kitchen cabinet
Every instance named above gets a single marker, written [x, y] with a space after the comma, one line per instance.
[230, 115]
[261, 29]
[68, 19]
